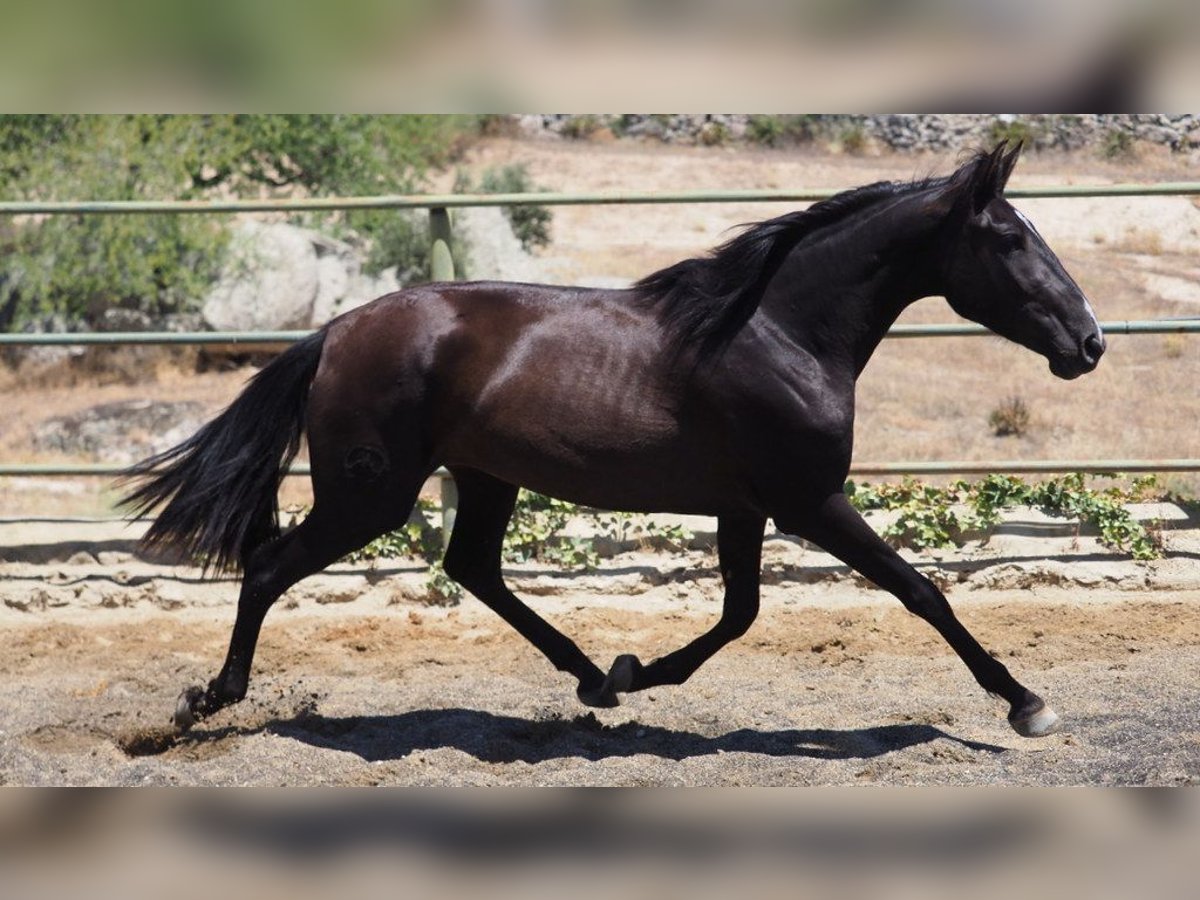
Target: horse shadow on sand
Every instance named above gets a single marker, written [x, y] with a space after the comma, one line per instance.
[495, 738]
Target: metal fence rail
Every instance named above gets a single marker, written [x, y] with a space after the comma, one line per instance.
[914, 467]
[541, 198]
[106, 338]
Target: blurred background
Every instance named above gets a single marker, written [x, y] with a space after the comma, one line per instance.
[635, 55]
[530, 843]
[442, 56]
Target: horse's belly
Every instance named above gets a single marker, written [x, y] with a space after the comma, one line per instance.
[635, 468]
[622, 485]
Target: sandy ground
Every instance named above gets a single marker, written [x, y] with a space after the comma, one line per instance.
[358, 682]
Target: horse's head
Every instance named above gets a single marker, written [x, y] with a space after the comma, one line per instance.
[998, 271]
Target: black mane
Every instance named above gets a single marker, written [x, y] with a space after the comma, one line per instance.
[706, 300]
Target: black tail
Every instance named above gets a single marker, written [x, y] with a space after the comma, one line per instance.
[220, 485]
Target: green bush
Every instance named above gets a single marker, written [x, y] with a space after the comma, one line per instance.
[531, 224]
[776, 131]
[535, 532]
[715, 134]
[1014, 131]
[74, 268]
[580, 127]
[400, 238]
[931, 516]
[1118, 144]
[853, 139]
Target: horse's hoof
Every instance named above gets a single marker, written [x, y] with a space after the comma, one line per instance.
[597, 697]
[620, 676]
[185, 708]
[1036, 721]
[618, 680]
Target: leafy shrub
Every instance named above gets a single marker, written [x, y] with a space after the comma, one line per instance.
[853, 139]
[580, 127]
[419, 538]
[536, 531]
[74, 268]
[1118, 144]
[531, 224]
[648, 534]
[400, 238]
[715, 134]
[776, 131]
[931, 516]
[1014, 131]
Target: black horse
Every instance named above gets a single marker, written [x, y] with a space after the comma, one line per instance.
[721, 386]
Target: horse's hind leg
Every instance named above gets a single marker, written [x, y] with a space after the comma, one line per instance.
[325, 536]
[837, 526]
[485, 505]
[739, 546]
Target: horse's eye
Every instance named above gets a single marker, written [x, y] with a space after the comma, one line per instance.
[1011, 240]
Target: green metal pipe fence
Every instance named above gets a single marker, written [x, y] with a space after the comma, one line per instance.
[915, 467]
[224, 338]
[442, 269]
[449, 201]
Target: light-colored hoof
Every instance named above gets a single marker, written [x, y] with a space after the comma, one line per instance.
[185, 706]
[620, 676]
[1037, 724]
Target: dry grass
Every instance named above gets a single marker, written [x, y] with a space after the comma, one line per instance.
[1011, 417]
[1141, 241]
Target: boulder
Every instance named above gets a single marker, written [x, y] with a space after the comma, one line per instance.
[120, 431]
[269, 282]
[282, 277]
[342, 285]
[495, 252]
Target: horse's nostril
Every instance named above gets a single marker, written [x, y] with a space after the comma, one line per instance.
[1093, 348]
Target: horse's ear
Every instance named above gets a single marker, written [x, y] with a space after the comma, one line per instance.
[991, 175]
[1007, 162]
[979, 181]
[983, 179]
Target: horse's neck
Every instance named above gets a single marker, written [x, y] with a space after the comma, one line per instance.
[838, 294]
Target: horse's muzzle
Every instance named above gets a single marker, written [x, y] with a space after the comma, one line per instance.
[1091, 348]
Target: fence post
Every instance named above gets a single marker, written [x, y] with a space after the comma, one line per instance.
[449, 507]
[441, 262]
[441, 265]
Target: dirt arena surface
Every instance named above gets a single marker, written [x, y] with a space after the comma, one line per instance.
[357, 682]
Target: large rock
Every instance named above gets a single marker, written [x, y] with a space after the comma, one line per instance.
[121, 431]
[282, 277]
[342, 285]
[269, 282]
[495, 252]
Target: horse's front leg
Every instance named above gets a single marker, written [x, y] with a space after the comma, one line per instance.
[739, 548]
[838, 528]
